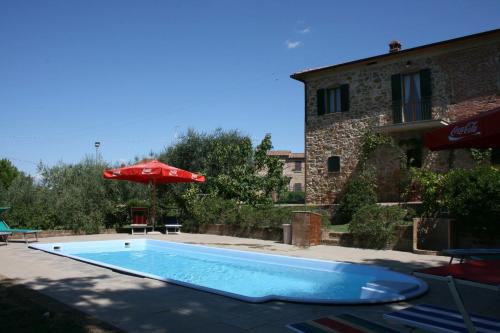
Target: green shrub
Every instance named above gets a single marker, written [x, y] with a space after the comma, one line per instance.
[358, 192]
[292, 197]
[472, 197]
[31, 206]
[209, 209]
[430, 186]
[374, 225]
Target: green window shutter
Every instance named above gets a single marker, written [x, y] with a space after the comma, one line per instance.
[320, 101]
[344, 97]
[328, 106]
[396, 98]
[425, 83]
[426, 93]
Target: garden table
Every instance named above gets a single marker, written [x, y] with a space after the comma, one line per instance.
[471, 253]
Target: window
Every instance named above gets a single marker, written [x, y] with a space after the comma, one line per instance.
[334, 164]
[412, 109]
[298, 166]
[297, 187]
[414, 158]
[411, 96]
[333, 100]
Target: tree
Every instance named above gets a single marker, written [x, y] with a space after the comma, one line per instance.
[8, 172]
[270, 169]
[233, 169]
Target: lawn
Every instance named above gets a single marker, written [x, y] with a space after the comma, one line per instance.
[339, 227]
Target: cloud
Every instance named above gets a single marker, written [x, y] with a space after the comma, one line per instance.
[304, 31]
[293, 44]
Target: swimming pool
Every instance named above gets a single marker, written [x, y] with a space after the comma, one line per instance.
[248, 276]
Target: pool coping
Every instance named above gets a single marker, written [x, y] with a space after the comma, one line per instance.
[420, 290]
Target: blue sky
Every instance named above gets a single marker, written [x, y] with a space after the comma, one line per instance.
[134, 74]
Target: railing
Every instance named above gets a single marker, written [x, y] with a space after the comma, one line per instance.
[412, 111]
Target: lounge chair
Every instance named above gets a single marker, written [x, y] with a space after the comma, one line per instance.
[5, 237]
[436, 319]
[483, 274]
[343, 323]
[139, 217]
[172, 223]
[5, 228]
[139, 222]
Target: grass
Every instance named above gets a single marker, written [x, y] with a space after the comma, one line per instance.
[345, 227]
[24, 310]
[339, 227]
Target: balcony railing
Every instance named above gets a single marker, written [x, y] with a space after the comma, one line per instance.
[412, 111]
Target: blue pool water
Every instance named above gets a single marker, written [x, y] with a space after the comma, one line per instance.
[248, 276]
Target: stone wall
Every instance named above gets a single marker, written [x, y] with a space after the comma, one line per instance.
[57, 233]
[269, 233]
[465, 80]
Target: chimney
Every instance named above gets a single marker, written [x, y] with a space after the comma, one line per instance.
[394, 46]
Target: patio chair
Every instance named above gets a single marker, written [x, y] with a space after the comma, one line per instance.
[5, 237]
[343, 323]
[5, 228]
[172, 223]
[437, 319]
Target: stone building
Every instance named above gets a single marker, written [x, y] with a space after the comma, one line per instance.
[293, 168]
[403, 93]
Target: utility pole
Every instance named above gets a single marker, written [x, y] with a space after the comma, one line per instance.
[97, 144]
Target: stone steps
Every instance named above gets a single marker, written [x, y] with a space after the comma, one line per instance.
[332, 238]
[333, 242]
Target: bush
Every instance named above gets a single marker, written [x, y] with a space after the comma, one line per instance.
[208, 209]
[30, 205]
[357, 193]
[292, 197]
[374, 225]
[430, 185]
[472, 197]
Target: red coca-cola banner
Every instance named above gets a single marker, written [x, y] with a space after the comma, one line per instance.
[480, 131]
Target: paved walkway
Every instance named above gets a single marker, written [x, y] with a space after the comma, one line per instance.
[143, 305]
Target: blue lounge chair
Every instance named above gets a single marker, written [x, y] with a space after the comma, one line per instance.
[172, 223]
[5, 228]
[436, 319]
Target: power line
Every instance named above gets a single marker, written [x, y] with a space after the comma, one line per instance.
[21, 160]
[187, 105]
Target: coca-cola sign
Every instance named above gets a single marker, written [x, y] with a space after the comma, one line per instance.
[461, 132]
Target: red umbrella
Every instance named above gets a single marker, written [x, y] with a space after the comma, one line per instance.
[153, 172]
[480, 131]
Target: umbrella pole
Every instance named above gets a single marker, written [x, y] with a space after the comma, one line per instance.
[153, 208]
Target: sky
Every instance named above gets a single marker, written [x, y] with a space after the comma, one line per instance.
[135, 75]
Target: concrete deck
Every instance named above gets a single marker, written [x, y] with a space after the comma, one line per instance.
[137, 304]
